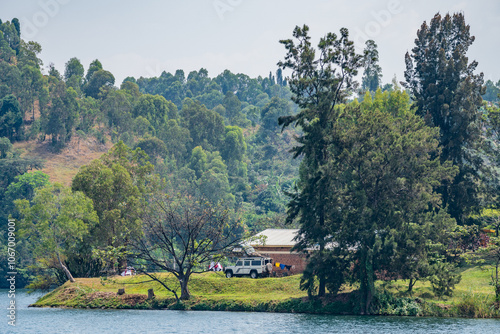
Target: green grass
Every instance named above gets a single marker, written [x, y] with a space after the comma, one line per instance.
[475, 280]
[211, 286]
[472, 297]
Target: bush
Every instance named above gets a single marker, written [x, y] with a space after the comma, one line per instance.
[475, 306]
[387, 304]
[444, 279]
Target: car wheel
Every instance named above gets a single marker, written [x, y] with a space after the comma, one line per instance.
[253, 274]
[229, 274]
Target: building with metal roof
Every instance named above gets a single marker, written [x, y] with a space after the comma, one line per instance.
[275, 238]
[277, 244]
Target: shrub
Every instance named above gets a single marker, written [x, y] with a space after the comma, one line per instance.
[387, 304]
[444, 279]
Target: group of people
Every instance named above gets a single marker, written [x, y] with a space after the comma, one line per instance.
[215, 266]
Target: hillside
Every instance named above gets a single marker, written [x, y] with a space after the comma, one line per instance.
[62, 166]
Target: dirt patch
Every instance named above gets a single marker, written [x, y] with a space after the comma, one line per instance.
[133, 299]
[341, 297]
[444, 306]
[328, 299]
[62, 166]
[67, 293]
[126, 299]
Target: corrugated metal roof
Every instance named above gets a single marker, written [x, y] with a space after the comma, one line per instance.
[277, 237]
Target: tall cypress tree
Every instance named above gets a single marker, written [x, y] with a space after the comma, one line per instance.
[447, 94]
[318, 85]
[372, 75]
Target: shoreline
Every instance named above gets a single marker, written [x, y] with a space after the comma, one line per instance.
[79, 295]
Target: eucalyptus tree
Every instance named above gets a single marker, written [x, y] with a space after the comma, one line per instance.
[54, 221]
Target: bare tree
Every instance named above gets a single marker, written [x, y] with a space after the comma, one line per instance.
[181, 236]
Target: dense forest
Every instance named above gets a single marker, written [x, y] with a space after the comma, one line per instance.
[216, 138]
[403, 178]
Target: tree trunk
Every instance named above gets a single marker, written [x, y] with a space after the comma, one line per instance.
[497, 284]
[410, 285]
[322, 287]
[367, 286]
[321, 276]
[183, 280]
[65, 269]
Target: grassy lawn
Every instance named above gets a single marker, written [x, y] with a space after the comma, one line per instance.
[475, 282]
[472, 297]
[209, 285]
[212, 286]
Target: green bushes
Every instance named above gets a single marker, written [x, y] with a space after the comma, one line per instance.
[475, 305]
[387, 304]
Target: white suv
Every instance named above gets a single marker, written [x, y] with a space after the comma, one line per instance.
[253, 266]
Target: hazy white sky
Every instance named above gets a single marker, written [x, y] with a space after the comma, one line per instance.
[144, 38]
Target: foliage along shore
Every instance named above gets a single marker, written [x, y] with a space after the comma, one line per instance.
[213, 292]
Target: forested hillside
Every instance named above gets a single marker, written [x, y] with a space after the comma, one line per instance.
[214, 137]
[384, 181]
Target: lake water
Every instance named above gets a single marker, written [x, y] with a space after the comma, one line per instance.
[52, 320]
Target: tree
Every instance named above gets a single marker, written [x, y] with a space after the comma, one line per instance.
[492, 91]
[447, 95]
[317, 85]
[5, 147]
[198, 161]
[12, 33]
[117, 183]
[11, 118]
[181, 236]
[25, 185]
[177, 139]
[272, 111]
[89, 114]
[100, 79]
[94, 66]
[422, 247]
[155, 109]
[206, 127]
[11, 167]
[492, 252]
[378, 179]
[213, 184]
[33, 86]
[74, 68]
[55, 221]
[372, 75]
[81, 136]
[491, 172]
[28, 54]
[54, 73]
[232, 105]
[153, 147]
[62, 114]
[235, 146]
[118, 110]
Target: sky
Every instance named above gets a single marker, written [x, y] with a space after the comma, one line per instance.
[144, 38]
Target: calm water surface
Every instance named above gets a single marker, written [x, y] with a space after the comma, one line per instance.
[34, 320]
